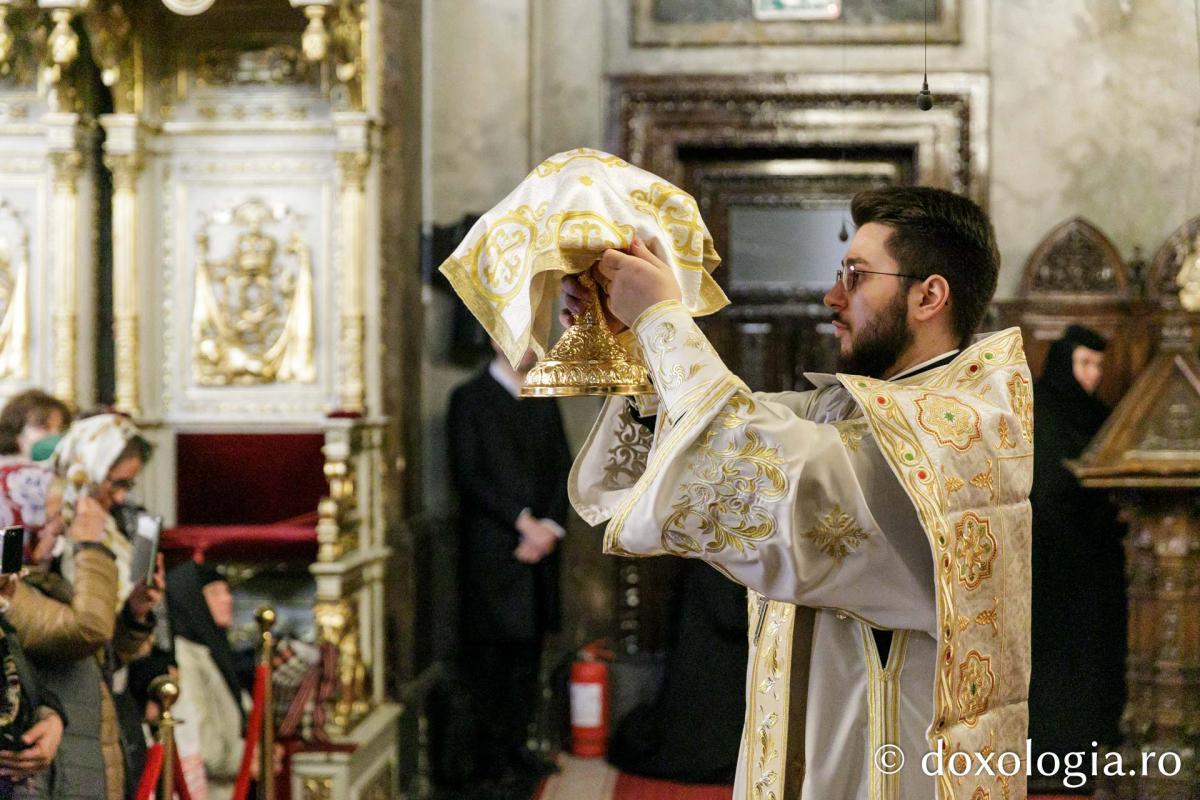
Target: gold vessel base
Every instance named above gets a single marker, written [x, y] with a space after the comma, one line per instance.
[587, 360]
[623, 390]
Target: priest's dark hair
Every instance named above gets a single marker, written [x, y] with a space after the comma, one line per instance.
[936, 232]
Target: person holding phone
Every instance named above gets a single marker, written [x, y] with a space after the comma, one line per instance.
[31, 718]
[79, 626]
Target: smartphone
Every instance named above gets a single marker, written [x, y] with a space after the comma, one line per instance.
[145, 547]
[12, 550]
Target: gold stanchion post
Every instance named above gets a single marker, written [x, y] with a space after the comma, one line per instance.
[167, 691]
[266, 740]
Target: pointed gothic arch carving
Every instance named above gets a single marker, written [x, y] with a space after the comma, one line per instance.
[1164, 268]
[1075, 258]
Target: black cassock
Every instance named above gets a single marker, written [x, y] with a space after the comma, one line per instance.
[1077, 686]
[506, 455]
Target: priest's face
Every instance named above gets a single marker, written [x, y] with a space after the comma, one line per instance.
[870, 306]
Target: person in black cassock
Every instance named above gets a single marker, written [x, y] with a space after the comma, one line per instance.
[1077, 686]
[509, 460]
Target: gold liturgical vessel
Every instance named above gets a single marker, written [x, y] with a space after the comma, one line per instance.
[587, 359]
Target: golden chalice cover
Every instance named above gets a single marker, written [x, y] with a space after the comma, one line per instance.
[562, 216]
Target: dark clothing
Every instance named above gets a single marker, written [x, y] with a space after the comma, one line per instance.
[681, 737]
[507, 454]
[1077, 685]
[503, 678]
[187, 610]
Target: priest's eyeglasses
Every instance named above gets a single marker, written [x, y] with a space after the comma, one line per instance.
[847, 276]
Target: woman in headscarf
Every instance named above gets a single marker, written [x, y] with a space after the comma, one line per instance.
[1077, 689]
[200, 609]
[80, 626]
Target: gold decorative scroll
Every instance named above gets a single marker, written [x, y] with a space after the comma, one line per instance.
[14, 294]
[112, 45]
[62, 48]
[252, 316]
[337, 625]
[347, 45]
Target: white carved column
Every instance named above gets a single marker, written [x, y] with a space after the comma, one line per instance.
[354, 158]
[66, 162]
[124, 157]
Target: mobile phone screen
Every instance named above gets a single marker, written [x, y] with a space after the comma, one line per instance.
[145, 547]
[12, 550]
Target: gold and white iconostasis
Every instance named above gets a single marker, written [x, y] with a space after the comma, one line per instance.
[213, 176]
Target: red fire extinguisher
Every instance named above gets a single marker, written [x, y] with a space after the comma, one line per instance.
[589, 701]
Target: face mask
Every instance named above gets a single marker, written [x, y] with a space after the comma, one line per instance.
[44, 447]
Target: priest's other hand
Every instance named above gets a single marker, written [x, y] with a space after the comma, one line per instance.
[634, 281]
[576, 297]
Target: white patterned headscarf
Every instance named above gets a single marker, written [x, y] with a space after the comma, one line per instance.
[82, 460]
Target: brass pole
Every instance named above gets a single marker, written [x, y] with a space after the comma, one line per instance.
[167, 691]
[266, 740]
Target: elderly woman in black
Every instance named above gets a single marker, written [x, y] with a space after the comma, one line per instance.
[1077, 689]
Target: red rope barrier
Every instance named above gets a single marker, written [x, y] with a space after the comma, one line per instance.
[149, 779]
[253, 727]
[181, 787]
[153, 770]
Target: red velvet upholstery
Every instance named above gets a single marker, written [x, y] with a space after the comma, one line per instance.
[233, 491]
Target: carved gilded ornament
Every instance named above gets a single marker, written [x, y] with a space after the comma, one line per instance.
[14, 294]
[253, 311]
[337, 625]
[1188, 277]
[318, 788]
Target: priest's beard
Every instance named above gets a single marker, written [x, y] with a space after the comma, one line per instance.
[876, 348]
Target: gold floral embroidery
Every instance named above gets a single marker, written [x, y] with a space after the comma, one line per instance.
[548, 167]
[728, 418]
[981, 794]
[1022, 403]
[990, 616]
[677, 376]
[1006, 442]
[627, 458]
[984, 480]
[950, 422]
[976, 684]
[987, 617]
[851, 431]
[499, 261]
[723, 503]
[974, 549]
[767, 751]
[677, 213]
[662, 341]
[836, 534]
[953, 484]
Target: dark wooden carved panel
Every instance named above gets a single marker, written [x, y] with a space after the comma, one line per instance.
[1076, 259]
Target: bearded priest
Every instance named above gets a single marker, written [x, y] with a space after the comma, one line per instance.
[881, 522]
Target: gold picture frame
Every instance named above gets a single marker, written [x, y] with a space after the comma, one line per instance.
[649, 30]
